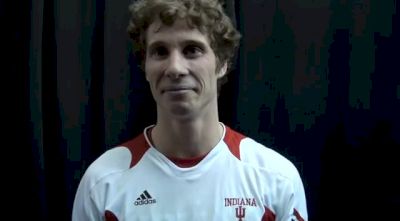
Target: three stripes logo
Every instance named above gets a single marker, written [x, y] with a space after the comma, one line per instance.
[144, 199]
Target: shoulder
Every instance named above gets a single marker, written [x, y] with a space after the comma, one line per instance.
[264, 157]
[278, 176]
[116, 160]
[106, 169]
[258, 155]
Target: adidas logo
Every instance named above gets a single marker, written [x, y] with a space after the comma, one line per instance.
[144, 199]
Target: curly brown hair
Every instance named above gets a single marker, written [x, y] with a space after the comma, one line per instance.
[205, 15]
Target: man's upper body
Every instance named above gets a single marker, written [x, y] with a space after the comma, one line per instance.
[239, 179]
[188, 166]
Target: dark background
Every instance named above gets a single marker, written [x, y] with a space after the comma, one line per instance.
[318, 81]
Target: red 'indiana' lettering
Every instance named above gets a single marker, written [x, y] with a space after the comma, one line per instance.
[240, 202]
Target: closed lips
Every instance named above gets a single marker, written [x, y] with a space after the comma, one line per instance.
[176, 89]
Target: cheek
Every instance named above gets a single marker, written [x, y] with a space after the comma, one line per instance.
[150, 71]
[152, 75]
[146, 70]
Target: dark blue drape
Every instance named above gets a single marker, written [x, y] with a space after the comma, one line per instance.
[319, 81]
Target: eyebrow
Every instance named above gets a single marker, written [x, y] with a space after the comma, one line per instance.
[185, 43]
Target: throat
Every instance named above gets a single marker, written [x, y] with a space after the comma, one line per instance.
[187, 162]
[183, 149]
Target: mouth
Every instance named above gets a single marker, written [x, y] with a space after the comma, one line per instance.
[177, 90]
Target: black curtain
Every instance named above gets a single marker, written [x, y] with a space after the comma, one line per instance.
[319, 81]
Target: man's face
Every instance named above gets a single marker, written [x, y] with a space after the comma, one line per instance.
[180, 67]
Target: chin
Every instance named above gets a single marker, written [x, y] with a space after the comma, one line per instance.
[181, 111]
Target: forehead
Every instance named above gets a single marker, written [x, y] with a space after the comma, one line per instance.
[178, 32]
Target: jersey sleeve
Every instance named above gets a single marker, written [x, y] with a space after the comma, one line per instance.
[84, 208]
[295, 207]
[91, 196]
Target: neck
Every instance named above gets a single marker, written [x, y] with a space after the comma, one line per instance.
[187, 138]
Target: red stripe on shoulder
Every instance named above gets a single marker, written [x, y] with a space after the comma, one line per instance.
[297, 215]
[268, 215]
[232, 139]
[110, 216]
[137, 146]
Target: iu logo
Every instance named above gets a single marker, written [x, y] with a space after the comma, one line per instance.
[240, 213]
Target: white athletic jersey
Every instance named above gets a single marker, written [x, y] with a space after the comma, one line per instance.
[238, 180]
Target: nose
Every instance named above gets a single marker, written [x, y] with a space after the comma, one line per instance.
[176, 65]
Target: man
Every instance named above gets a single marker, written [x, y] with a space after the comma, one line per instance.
[188, 166]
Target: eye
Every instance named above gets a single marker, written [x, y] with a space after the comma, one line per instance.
[193, 51]
[159, 52]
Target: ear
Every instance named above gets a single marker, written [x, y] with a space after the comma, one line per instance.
[222, 70]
